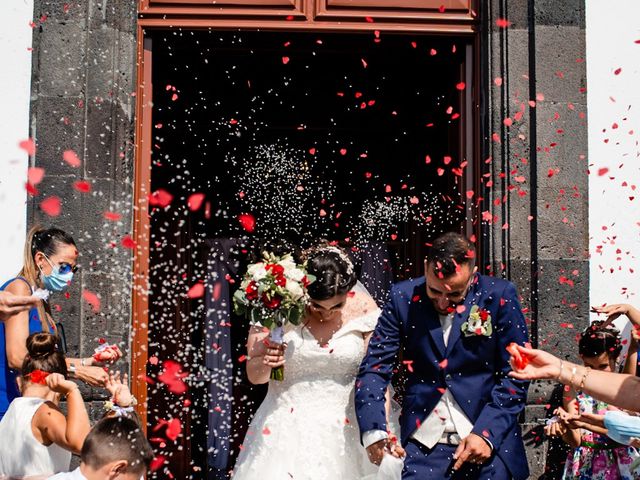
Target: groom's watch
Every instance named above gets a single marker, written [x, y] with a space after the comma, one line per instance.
[72, 368]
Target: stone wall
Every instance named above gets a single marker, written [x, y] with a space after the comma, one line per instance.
[84, 67]
[540, 235]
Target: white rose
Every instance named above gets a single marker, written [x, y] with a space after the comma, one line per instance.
[257, 271]
[294, 274]
[287, 263]
[295, 289]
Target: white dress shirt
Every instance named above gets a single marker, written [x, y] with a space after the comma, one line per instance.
[446, 417]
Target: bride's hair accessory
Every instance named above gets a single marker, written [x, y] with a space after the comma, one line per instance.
[333, 269]
[312, 252]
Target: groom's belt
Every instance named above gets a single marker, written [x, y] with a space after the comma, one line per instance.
[450, 438]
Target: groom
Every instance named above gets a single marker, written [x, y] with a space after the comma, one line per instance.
[460, 411]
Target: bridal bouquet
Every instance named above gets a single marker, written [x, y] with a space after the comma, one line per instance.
[273, 293]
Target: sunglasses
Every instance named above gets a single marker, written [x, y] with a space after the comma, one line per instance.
[63, 267]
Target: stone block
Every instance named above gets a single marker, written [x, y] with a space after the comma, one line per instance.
[59, 127]
[563, 305]
[120, 15]
[60, 11]
[100, 139]
[566, 13]
[61, 51]
[560, 63]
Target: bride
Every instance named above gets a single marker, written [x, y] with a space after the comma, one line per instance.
[306, 428]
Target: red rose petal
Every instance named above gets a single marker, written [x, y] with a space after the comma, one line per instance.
[174, 429]
[285, 60]
[409, 364]
[113, 216]
[196, 291]
[31, 190]
[128, 242]
[156, 463]
[51, 206]
[195, 201]
[503, 22]
[28, 146]
[461, 86]
[82, 186]
[247, 221]
[172, 377]
[160, 198]
[92, 299]
[71, 158]
[266, 431]
[443, 364]
[35, 175]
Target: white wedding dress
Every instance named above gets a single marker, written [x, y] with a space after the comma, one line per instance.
[306, 428]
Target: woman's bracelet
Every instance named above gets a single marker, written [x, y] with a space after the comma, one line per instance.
[559, 377]
[584, 377]
[573, 374]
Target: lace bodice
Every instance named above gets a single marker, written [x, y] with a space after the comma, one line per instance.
[338, 361]
[306, 427]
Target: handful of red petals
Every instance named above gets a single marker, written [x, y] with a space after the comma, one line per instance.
[518, 359]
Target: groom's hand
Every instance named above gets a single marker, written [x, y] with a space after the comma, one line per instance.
[472, 449]
[375, 451]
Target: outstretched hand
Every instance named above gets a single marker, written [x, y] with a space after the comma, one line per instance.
[541, 365]
[119, 389]
[615, 310]
[11, 304]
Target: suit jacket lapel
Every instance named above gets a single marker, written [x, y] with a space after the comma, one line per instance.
[426, 314]
[460, 317]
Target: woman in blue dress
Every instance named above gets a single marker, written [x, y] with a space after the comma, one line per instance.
[50, 258]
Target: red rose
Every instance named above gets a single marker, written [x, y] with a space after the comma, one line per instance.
[280, 280]
[252, 291]
[273, 303]
[306, 282]
[484, 314]
[275, 269]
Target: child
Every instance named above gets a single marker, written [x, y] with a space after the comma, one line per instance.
[115, 449]
[35, 436]
[595, 456]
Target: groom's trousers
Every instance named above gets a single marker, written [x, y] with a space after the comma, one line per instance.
[423, 463]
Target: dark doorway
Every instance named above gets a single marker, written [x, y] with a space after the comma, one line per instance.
[357, 138]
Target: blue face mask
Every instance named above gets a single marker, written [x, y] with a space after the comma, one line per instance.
[56, 281]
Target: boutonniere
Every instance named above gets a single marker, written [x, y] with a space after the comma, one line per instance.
[478, 323]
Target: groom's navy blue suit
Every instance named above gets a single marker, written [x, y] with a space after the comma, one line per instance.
[475, 372]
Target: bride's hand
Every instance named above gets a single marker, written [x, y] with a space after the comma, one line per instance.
[274, 357]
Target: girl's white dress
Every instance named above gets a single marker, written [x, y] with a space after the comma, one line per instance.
[306, 428]
[21, 455]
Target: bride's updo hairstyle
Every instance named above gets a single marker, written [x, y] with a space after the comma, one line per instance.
[43, 354]
[333, 270]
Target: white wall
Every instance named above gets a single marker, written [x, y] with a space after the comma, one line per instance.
[15, 87]
[614, 219]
